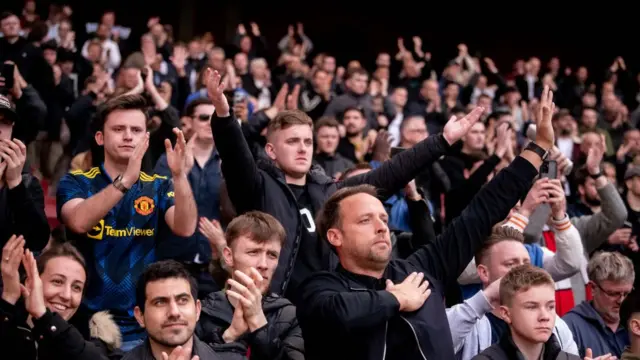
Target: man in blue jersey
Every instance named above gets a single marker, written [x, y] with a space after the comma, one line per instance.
[114, 213]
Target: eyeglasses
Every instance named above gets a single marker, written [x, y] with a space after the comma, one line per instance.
[204, 117]
[614, 295]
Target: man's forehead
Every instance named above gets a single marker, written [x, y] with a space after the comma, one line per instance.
[170, 287]
[296, 131]
[509, 249]
[360, 204]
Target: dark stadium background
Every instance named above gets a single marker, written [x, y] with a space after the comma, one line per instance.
[578, 34]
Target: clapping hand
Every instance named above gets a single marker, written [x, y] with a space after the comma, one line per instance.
[14, 155]
[247, 291]
[32, 290]
[177, 158]
[12, 254]
[132, 173]
[456, 128]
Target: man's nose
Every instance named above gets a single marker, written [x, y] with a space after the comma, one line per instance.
[174, 310]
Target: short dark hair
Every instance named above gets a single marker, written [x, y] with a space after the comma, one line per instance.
[499, 234]
[123, 102]
[288, 118]
[327, 121]
[165, 269]
[190, 109]
[523, 278]
[258, 226]
[329, 215]
[356, 71]
[61, 250]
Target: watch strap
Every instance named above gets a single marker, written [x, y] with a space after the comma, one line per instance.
[537, 149]
[117, 183]
[596, 176]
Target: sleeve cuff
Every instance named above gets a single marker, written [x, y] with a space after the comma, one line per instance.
[7, 311]
[480, 304]
[49, 325]
[563, 224]
[389, 302]
[518, 222]
[19, 191]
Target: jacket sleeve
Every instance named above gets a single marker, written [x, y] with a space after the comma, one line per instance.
[464, 317]
[27, 205]
[458, 197]
[11, 339]
[595, 229]
[65, 339]
[420, 223]
[327, 303]
[267, 342]
[239, 168]
[569, 253]
[565, 337]
[447, 257]
[395, 173]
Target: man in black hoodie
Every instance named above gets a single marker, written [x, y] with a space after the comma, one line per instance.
[377, 308]
[245, 320]
[290, 190]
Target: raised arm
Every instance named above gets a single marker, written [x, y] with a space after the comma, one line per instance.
[455, 247]
[183, 217]
[238, 166]
[394, 174]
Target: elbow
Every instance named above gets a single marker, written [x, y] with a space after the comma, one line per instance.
[187, 230]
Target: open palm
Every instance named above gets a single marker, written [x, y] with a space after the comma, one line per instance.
[456, 128]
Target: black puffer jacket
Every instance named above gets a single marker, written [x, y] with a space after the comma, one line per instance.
[280, 339]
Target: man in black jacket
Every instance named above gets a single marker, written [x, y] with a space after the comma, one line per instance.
[375, 308]
[290, 190]
[21, 196]
[246, 319]
[168, 308]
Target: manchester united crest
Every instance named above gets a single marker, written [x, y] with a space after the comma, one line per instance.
[144, 205]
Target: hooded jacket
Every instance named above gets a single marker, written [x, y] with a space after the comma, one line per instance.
[280, 339]
[590, 331]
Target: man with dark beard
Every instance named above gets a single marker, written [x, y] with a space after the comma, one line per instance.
[168, 308]
[587, 197]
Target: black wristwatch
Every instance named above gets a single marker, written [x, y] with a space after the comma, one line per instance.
[537, 149]
[596, 176]
[117, 183]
